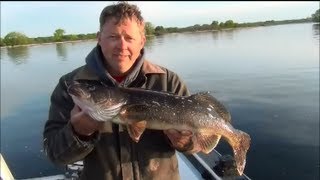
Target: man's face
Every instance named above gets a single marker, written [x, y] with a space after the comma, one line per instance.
[121, 44]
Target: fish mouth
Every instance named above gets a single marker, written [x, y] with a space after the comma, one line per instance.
[74, 89]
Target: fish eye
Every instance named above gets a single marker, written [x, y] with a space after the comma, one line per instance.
[91, 88]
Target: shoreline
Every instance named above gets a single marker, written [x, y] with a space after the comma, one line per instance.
[40, 44]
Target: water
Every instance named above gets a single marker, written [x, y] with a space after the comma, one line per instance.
[268, 77]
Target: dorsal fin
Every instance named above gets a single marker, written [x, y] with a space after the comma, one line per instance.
[214, 103]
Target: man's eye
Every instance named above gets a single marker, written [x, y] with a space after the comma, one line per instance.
[129, 38]
[112, 37]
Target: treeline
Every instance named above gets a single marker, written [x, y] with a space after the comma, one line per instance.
[215, 25]
[17, 38]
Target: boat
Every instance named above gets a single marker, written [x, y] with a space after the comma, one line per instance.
[5, 171]
[190, 167]
[220, 167]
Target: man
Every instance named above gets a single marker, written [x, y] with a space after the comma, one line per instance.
[71, 135]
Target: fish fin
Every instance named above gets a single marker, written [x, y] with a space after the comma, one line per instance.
[207, 142]
[135, 129]
[132, 115]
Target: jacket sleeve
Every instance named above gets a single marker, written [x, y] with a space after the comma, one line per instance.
[60, 143]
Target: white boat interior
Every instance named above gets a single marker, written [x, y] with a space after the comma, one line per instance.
[190, 167]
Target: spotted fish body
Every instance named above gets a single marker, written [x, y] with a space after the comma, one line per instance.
[141, 109]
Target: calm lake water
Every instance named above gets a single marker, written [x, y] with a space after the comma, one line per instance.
[268, 77]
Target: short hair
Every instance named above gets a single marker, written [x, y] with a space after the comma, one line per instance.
[121, 11]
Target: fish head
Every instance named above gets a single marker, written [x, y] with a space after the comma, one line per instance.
[94, 95]
[80, 91]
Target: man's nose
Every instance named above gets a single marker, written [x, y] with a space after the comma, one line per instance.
[122, 43]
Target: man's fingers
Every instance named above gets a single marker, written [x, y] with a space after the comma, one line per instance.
[186, 133]
[82, 123]
[178, 137]
[172, 131]
[76, 109]
[176, 133]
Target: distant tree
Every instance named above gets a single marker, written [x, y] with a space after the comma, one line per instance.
[229, 24]
[215, 24]
[172, 29]
[39, 40]
[81, 36]
[221, 25]
[316, 16]
[2, 42]
[206, 27]
[91, 36]
[70, 37]
[44, 39]
[149, 28]
[31, 41]
[58, 34]
[15, 38]
[159, 30]
[196, 27]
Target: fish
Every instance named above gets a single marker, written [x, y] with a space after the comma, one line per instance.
[139, 109]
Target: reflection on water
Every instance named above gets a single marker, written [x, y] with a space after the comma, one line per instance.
[149, 42]
[215, 35]
[152, 42]
[223, 34]
[316, 31]
[228, 34]
[61, 51]
[18, 55]
[159, 41]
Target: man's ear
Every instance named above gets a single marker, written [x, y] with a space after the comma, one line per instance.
[98, 36]
[143, 40]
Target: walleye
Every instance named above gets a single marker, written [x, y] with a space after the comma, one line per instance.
[138, 109]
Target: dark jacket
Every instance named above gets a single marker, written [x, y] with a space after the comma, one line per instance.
[112, 154]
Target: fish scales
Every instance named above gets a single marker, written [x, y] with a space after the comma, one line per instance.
[168, 107]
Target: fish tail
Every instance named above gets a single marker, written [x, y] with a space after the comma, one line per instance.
[240, 146]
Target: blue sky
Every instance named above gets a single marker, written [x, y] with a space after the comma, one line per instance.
[36, 19]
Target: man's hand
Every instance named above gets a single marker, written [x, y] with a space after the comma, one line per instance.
[82, 123]
[180, 140]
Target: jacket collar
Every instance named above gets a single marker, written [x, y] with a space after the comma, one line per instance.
[95, 70]
[150, 68]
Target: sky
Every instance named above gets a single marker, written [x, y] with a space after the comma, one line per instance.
[40, 19]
